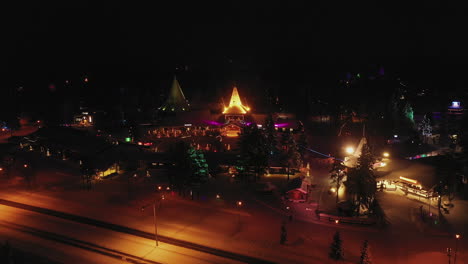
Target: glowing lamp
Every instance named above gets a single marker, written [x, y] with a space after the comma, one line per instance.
[1, 169]
[386, 154]
[457, 236]
[395, 136]
[239, 203]
[168, 188]
[455, 104]
[25, 165]
[337, 221]
[218, 196]
[350, 150]
[159, 187]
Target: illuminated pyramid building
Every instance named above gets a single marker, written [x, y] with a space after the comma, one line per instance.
[236, 110]
[176, 101]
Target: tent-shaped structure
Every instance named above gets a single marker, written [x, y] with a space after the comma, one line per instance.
[236, 110]
[176, 101]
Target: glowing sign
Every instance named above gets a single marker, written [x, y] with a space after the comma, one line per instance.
[455, 104]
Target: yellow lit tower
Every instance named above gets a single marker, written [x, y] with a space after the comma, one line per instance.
[236, 110]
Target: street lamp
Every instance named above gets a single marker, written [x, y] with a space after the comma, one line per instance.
[449, 254]
[457, 237]
[239, 204]
[154, 217]
[350, 150]
[386, 154]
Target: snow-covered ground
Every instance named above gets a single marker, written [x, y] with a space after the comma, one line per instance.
[253, 229]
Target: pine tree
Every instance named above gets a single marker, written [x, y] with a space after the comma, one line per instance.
[254, 150]
[361, 183]
[199, 166]
[284, 234]
[365, 255]
[337, 175]
[336, 248]
[271, 134]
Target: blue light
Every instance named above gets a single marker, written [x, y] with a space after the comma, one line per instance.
[328, 156]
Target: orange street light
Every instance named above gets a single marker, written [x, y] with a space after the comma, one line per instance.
[239, 203]
[350, 150]
[337, 221]
[159, 187]
[457, 237]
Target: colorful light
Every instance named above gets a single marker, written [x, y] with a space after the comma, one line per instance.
[281, 125]
[127, 139]
[213, 123]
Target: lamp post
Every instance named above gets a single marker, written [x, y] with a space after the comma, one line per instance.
[449, 254]
[154, 217]
[239, 204]
[457, 237]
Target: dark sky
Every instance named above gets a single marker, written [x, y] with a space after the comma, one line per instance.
[287, 45]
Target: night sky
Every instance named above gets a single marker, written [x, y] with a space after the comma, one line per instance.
[283, 47]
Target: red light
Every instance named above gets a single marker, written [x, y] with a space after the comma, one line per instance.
[25, 165]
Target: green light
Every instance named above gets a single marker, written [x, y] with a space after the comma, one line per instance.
[127, 139]
[423, 155]
[359, 75]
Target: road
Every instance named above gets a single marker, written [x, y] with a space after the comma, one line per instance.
[73, 242]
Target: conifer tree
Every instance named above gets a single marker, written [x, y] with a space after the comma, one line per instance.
[336, 248]
[365, 255]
